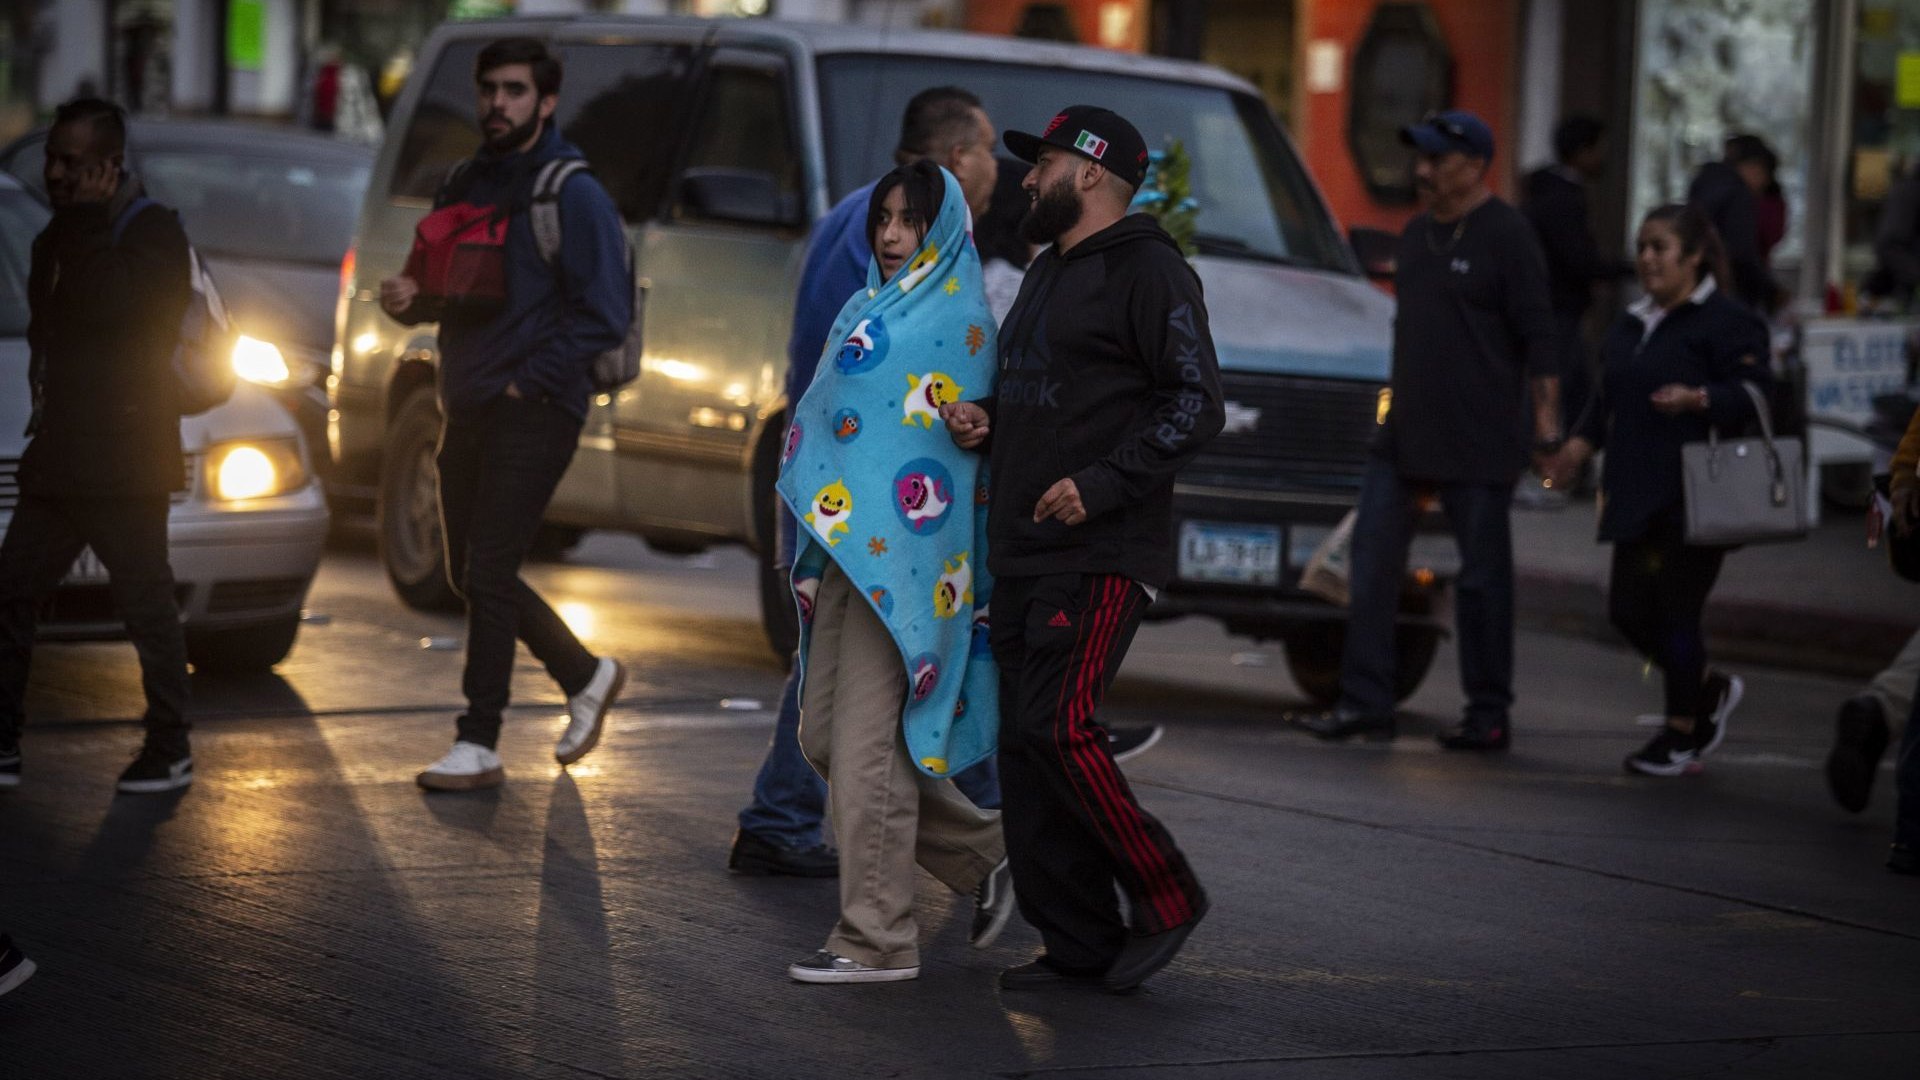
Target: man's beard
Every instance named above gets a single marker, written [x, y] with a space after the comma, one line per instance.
[1056, 210]
[513, 138]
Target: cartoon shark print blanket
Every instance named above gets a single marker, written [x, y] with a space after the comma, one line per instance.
[879, 487]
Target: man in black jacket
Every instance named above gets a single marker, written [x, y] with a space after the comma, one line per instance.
[1108, 385]
[1473, 338]
[1554, 201]
[105, 452]
[1725, 193]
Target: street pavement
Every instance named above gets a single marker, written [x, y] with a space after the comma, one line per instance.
[1379, 910]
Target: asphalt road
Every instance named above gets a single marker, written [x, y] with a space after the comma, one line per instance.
[1379, 910]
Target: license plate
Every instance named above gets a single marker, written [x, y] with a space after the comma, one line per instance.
[1235, 554]
[87, 568]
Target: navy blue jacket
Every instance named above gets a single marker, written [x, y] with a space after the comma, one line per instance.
[1717, 343]
[556, 318]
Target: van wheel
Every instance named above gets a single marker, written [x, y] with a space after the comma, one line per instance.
[1313, 658]
[409, 511]
[778, 618]
[242, 650]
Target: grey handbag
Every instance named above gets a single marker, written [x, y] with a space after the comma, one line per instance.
[1744, 491]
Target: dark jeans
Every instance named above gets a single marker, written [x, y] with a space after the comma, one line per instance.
[1074, 829]
[1576, 371]
[1658, 591]
[129, 535]
[498, 467]
[1390, 508]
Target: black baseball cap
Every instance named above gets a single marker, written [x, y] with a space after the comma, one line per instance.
[1092, 132]
[1455, 129]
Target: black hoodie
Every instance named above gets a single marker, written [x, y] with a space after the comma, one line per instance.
[1107, 376]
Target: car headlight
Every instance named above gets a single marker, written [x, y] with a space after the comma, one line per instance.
[256, 470]
[260, 361]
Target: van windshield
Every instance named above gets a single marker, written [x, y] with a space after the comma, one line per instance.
[1253, 198]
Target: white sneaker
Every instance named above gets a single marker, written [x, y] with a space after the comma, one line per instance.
[467, 767]
[587, 712]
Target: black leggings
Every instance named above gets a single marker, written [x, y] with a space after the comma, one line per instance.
[1659, 589]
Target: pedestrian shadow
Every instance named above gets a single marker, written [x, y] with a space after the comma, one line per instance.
[576, 999]
[468, 811]
[126, 834]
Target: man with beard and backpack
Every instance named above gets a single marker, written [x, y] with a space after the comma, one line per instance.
[521, 337]
[1108, 385]
[112, 281]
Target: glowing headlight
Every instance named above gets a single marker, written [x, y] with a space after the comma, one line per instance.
[256, 470]
[260, 361]
[1382, 405]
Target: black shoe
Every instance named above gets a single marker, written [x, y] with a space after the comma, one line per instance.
[1722, 694]
[1041, 974]
[1668, 753]
[15, 968]
[157, 769]
[1902, 859]
[1476, 735]
[1860, 737]
[1145, 954]
[1342, 724]
[992, 906]
[10, 767]
[755, 856]
[1131, 742]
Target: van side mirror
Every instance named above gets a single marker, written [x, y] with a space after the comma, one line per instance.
[746, 196]
[1375, 248]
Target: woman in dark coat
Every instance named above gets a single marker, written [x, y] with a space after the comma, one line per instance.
[1673, 366]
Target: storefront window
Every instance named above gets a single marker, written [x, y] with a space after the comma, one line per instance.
[1885, 126]
[1713, 68]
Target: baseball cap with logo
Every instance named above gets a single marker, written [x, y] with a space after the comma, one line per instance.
[1092, 132]
[1446, 132]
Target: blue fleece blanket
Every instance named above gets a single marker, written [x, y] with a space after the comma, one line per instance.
[879, 487]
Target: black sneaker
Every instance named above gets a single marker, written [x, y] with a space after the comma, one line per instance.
[1860, 737]
[755, 856]
[1902, 859]
[10, 767]
[992, 906]
[1476, 735]
[1669, 753]
[1722, 696]
[1342, 724]
[157, 769]
[1041, 974]
[15, 968]
[1131, 742]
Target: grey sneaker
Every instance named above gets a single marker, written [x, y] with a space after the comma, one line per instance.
[825, 967]
[15, 968]
[587, 712]
[10, 768]
[992, 906]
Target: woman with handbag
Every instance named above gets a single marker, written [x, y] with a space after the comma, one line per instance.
[1673, 369]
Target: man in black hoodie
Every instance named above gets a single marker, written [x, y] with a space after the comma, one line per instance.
[1108, 385]
[105, 452]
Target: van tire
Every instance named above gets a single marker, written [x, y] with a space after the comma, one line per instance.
[411, 547]
[242, 650]
[1313, 658]
[778, 617]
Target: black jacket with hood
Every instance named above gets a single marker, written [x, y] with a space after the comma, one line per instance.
[105, 323]
[1107, 376]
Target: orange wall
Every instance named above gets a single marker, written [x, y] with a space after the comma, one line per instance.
[1480, 35]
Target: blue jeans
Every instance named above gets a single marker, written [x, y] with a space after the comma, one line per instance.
[789, 798]
[1906, 783]
[1388, 513]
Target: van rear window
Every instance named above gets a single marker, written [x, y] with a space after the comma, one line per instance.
[1254, 200]
[622, 103]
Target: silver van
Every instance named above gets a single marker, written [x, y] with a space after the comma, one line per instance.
[721, 141]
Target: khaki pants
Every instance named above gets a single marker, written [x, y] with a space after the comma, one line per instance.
[887, 814]
[1894, 687]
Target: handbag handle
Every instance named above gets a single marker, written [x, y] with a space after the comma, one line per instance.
[1776, 472]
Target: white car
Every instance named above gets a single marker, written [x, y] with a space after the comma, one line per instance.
[244, 538]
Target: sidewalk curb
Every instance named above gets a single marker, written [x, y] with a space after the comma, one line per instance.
[1739, 631]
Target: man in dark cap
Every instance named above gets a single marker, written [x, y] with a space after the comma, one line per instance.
[1473, 335]
[1108, 385]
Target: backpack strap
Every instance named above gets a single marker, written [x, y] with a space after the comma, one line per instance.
[544, 210]
[127, 215]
